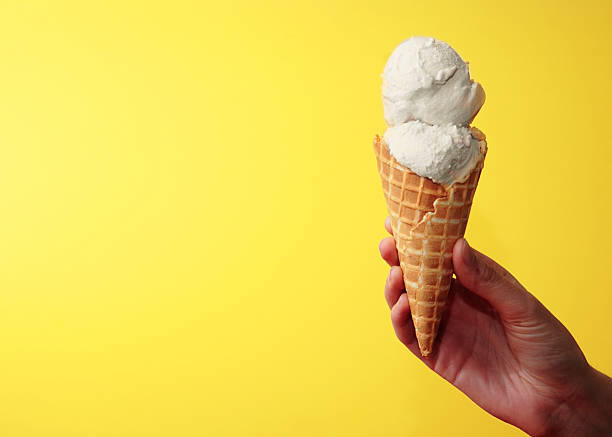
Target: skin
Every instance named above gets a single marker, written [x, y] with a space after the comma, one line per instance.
[502, 348]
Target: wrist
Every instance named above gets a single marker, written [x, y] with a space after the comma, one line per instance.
[587, 412]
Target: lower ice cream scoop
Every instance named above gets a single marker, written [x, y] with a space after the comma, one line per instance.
[445, 154]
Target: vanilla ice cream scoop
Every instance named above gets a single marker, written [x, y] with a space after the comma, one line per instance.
[425, 79]
[444, 153]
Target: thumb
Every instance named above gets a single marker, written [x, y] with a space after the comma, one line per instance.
[484, 277]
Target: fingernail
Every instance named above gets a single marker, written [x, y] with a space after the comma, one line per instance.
[468, 255]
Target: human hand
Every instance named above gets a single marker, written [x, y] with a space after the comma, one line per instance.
[501, 347]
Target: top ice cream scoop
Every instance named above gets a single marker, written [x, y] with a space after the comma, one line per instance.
[425, 79]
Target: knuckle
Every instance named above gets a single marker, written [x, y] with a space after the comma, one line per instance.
[486, 274]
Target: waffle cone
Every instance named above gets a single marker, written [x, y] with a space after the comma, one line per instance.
[427, 219]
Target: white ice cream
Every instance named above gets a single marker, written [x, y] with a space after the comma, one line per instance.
[444, 153]
[425, 79]
[429, 102]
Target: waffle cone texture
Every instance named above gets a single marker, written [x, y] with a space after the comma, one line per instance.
[427, 219]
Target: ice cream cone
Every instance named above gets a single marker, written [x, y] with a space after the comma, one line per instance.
[426, 218]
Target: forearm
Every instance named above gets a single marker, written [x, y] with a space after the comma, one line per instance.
[587, 413]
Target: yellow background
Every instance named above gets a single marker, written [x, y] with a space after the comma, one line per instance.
[191, 209]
